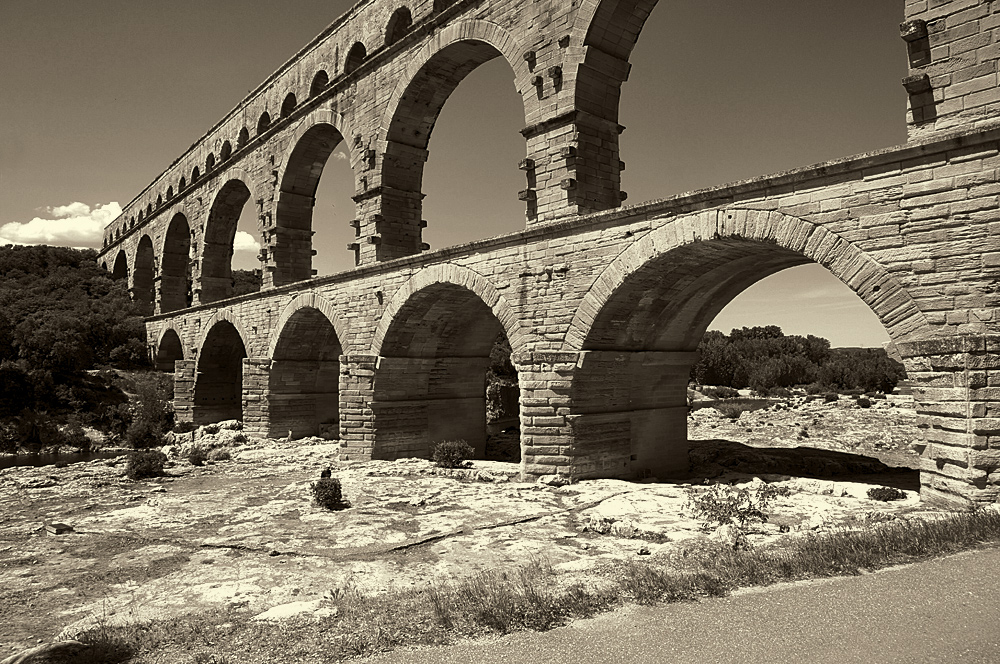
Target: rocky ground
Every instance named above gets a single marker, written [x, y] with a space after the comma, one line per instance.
[244, 533]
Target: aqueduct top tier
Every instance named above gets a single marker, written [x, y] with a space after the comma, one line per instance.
[603, 308]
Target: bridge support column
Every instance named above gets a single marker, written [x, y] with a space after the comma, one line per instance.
[546, 382]
[422, 401]
[957, 392]
[357, 391]
[604, 413]
[255, 400]
[573, 166]
[184, 376]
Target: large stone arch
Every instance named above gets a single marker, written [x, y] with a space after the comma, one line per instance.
[637, 330]
[434, 344]
[218, 384]
[216, 251]
[121, 266]
[889, 301]
[225, 315]
[448, 273]
[411, 113]
[311, 300]
[175, 287]
[169, 349]
[144, 274]
[302, 398]
[311, 143]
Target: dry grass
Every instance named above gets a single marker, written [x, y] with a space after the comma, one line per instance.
[534, 598]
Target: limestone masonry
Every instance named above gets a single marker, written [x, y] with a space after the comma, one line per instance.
[603, 305]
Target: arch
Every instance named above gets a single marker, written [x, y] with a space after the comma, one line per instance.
[120, 270]
[412, 111]
[104, 264]
[311, 300]
[434, 341]
[175, 266]
[288, 105]
[218, 388]
[131, 224]
[243, 138]
[399, 24]
[456, 275]
[355, 57]
[638, 328]
[319, 83]
[159, 200]
[210, 162]
[149, 210]
[195, 174]
[299, 177]
[143, 273]
[182, 185]
[303, 381]
[263, 123]
[613, 26]
[224, 316]
[168, 350]
[140, 216]
[170, 192]
[226, 152]
[216, 281]
[785, 239]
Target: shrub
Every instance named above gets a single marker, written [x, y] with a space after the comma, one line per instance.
[145, 463]
[830, 397]
[327, 493]
[720, 393]
[219, 455]
[184, 427]
[723, 504]
[885, 493]
[452, 453]
[197, 456]
[731, 410]
[864, 402]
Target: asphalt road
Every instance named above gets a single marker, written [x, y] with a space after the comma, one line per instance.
[942, 611]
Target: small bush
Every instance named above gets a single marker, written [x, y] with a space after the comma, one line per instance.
[452, 453]
[197, 456]
[864, 402]
[885, 493]
[723, 504]
[731, 410]
[219, 455]
[145, 463]
[830, 397]
[721, 393]
[327, 493]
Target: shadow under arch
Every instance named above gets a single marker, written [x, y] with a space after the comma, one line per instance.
[218, 387]
[640, 324]
[169, 349]
[216, 279]
[313, 141]
[120, 270]
[143, 276]
[303, 380]
[412, 111]
[175, 266]
[434, 343]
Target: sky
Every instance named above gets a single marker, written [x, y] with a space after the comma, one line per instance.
[100, 96]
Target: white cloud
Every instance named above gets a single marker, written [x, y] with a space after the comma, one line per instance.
[73, 225]
[340, 156]
[245, 242]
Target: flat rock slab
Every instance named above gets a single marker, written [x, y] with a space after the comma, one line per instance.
[244, 533]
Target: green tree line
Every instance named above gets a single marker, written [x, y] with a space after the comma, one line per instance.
[763, 358]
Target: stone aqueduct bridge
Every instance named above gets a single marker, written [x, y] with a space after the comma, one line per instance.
[603, 305]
